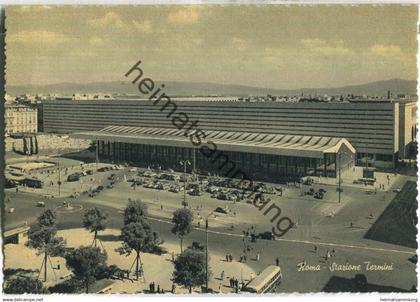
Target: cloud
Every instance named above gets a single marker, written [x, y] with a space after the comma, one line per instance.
[143, 27]
[109, 19]
[115, 20]
[388, 51]
[37, 37]
[33, 8]
[185, 15]
[322, 47]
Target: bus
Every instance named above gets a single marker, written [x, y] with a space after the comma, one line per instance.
[265, 281]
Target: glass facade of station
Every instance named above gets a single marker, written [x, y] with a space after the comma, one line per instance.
[264, 167]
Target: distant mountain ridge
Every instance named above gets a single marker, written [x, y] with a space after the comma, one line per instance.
[380, 88]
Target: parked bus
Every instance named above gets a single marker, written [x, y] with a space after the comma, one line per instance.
[265, 281]
[32, 182]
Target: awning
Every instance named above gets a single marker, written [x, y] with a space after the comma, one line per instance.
[262, 143]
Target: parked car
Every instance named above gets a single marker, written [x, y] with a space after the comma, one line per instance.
[73, 177]
[174, 189]
[220, 210]
[40, 204]
[319, 195]
[196, 192]
[266, 236]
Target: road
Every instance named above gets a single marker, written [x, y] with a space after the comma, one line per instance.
[296, 246]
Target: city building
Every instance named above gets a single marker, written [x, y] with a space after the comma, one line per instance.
[20, 119]
[379, 130]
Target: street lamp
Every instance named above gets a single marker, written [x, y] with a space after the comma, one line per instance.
[207, 252]
[339, 174]
[185, 163]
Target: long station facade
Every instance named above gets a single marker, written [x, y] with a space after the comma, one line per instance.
[282, 139]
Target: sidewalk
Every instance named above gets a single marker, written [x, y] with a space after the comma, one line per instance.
[348, 177]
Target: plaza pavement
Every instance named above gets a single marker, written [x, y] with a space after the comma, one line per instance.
[316, 226]
[157, 268]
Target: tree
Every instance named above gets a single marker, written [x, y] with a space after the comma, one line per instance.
[182, 219]
[135, 211]
[48, 218]
[84, 262]
[190, 269]
[43, 238]
[137, 237]
[24, 285]
[95, 220]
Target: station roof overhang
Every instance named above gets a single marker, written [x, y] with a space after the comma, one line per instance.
[261, 143]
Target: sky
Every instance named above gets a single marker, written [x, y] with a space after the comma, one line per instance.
[284, 47]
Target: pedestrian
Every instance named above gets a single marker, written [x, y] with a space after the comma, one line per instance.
[222, 275]
[277, 261]
[161, 207]
[158, 288]
[257, 257]
[173, 288]
[231, 282]
[227, 258]
[315, 248]
[351, 224]
[230, 258]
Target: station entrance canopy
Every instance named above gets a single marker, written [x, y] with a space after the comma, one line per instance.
[260, 143]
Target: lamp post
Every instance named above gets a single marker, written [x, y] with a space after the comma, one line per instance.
[59, 178]
[185, 163]
[96, 154]
[339, 174]
[339, 177]
[207, 251]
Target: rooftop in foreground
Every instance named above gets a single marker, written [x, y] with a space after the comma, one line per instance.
[263, 143]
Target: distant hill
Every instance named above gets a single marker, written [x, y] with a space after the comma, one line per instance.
[205, 89]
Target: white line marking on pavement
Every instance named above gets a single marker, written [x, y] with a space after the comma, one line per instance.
[303, 241]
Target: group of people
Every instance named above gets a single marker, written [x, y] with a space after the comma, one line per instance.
[155, 289]
[234, 283]
[229, 258]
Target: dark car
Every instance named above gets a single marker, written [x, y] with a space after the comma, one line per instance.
[104, 169]
[266, 236]
[73, 177]
[319, 195]
[220, 210]
[413, 259]
[89, 172]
